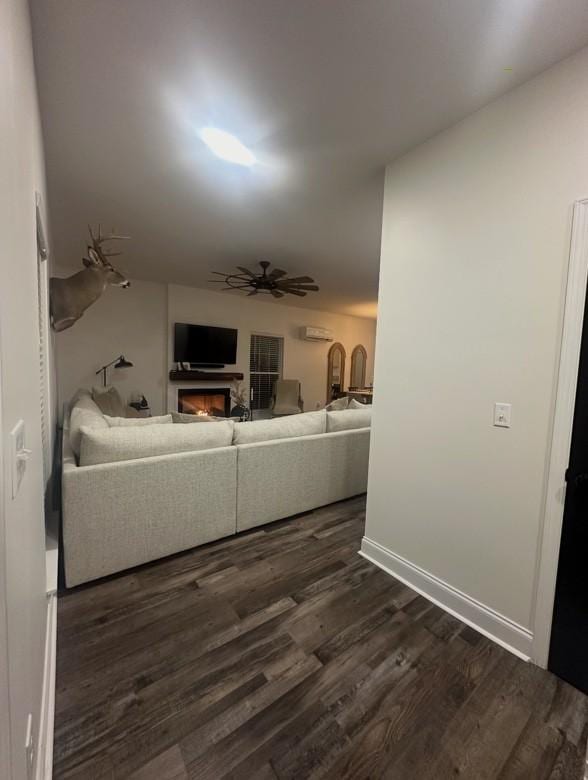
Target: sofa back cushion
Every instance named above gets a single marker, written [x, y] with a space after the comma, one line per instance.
[145, 441]
[306, 424]
[122, 422]
[84, 413]
[182, 417]
[349, 419]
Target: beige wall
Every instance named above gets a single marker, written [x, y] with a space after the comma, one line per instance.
[131, 322]
[474, 257]
[22, 533]
[303, 360]
[138, 322]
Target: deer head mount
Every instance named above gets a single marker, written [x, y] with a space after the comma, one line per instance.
[69, 298]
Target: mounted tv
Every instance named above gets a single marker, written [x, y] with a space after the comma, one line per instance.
[204, 346]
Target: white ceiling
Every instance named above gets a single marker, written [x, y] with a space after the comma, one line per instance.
[324, 92]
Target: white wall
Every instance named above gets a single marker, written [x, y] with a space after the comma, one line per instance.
[22, 533]
[303, 360]
[139, 323]
[474, 260]
[131, 322]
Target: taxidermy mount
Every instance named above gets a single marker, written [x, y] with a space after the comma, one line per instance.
[69, 298]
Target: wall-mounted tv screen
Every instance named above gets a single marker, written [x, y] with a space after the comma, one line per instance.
[204, 345]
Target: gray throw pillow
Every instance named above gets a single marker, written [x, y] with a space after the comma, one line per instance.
[109, 401]
[338, 404]
[355, 404]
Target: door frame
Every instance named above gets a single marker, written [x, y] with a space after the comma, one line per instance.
[5, 736]
[567, 378]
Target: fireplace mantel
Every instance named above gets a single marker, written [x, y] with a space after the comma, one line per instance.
[202, 376]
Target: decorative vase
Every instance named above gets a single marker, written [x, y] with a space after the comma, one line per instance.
[240, 411]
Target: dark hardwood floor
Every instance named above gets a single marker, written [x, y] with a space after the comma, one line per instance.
[281, 653]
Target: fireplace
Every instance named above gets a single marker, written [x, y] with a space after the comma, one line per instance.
[215, 402]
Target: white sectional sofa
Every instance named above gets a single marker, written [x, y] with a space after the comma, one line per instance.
[128, 497]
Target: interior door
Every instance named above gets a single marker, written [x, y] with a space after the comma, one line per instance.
[568, 654]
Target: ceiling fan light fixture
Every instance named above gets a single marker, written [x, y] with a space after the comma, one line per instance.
[227, 146]
[274, 283]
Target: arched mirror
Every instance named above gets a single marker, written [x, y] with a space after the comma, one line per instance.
[358, 366]
[335, 371]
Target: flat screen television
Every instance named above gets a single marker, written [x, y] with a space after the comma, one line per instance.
[203, 345]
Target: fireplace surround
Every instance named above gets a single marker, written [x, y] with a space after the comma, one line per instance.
[205, 401]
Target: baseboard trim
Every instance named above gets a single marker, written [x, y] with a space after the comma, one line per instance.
[492, 624]
[44, 769]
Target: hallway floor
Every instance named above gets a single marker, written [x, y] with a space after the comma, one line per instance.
[281, 653]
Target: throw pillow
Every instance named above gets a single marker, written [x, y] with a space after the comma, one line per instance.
[145, 441]
[349, 419]
[338, 404]
[122, 422]
[109, 401]
[354, 404]
[305, 424]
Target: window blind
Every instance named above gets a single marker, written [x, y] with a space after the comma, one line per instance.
[265, 366]
[43, 313]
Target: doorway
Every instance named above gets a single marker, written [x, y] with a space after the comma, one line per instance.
[561, 611]
[568, 651]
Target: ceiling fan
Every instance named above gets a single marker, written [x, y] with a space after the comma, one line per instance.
[275, 282]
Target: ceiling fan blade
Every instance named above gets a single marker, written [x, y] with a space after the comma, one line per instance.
[295, 292]
[277, 294]
[276, 273]
[220, 273]
[253, 292]
[247, 272]
[307, 287]
[300, 279]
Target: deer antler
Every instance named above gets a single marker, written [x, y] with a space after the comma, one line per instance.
[98, 240]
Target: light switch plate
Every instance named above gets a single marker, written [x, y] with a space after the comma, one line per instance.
[502, 415]
[18, 455]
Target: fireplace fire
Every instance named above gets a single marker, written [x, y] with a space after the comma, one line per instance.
[214, 402]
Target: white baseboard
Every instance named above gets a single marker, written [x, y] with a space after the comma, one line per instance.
[505, 632]
[44, 769]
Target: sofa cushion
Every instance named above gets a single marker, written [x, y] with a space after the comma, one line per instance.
[144, 441]
[338, 404]
[84, 413]
[349, 419]
[109, 401]
[182, 417]
[355, 404]
[305, 424]
[122, 422]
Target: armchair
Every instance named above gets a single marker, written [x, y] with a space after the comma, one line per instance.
[286, 398]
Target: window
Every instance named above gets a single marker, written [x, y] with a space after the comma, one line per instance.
[265, 366]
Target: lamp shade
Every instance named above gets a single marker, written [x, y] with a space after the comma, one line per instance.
[122, 362]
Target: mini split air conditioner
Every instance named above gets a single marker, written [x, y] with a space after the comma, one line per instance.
[316, 334]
